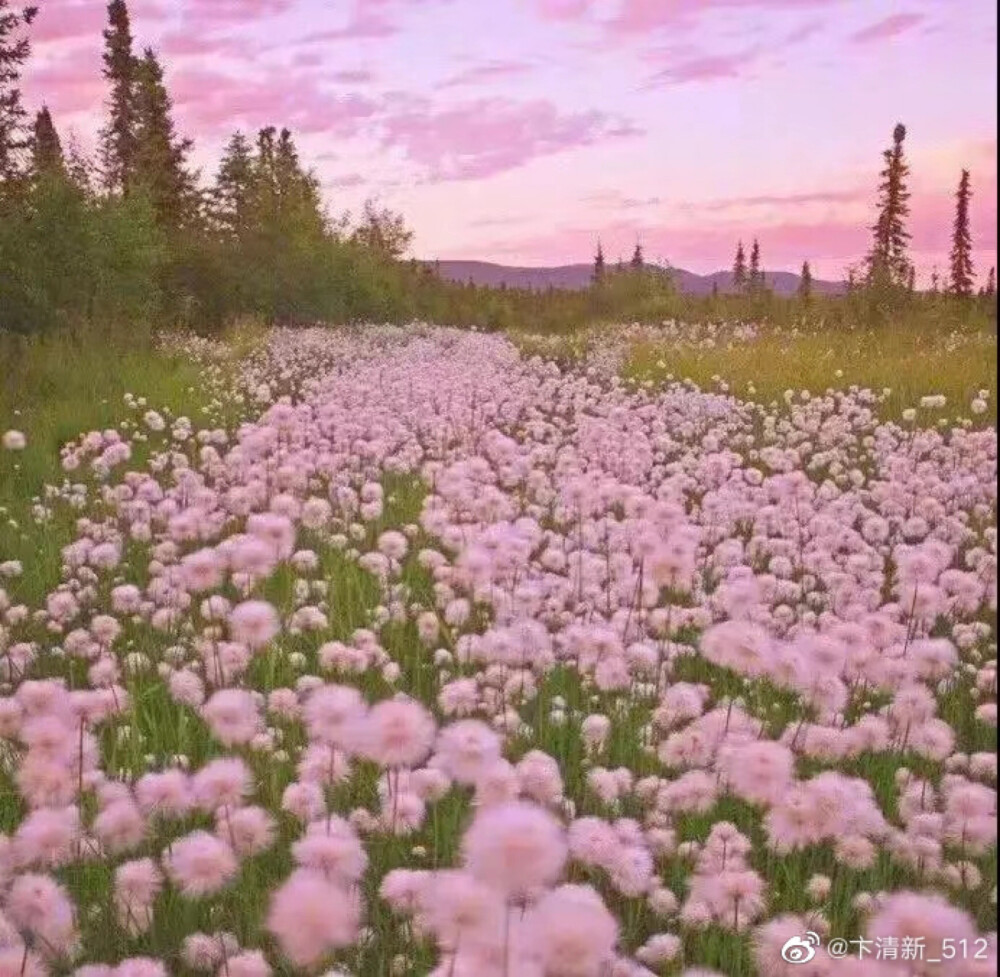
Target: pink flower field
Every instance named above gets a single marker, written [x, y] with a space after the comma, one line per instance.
[417, 653]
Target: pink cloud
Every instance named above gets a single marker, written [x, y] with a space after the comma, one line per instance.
[488, 71]
[70, 85]
[563, 9]
[234, 11]
[640, 16]
[209, 102]
[489, 136]
[784, 201]
[363, 25]
[347, 181]
[357, 76]
[709, 67]
[60, 20]
[187, 43]
[888, 27]
[66, 19]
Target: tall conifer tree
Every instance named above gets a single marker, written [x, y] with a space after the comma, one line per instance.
[160, 156]
[740, 269]
[960, 282]
[598, 275]
[14, 136]
[119, 145]
[805, 282]
[888, 259]
[233, 193]
[46, 148]
[756, 278]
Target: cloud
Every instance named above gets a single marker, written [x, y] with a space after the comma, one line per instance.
[362, 26]
[616, 200]
[886, 28]
[69, 85]
[488, 136]
[639, 17]
[488, 71]
[563, 9]
[357, 76]
[184, 43]
[347, 181]
[64, 20]
[708, 67]
[234, 11]
[782, 201]
[209, 102]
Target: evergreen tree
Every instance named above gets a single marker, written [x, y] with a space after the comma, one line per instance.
[740, 269]
[991, 283]
[233, 193]
[119, 138]
[598, 275]
[805, 282]
[14, 50]
[960, 282]
[888, 263]
[756, 279]
[935, 281]
[160, 156]
[637, 260]
[46, 149]
[911, 279]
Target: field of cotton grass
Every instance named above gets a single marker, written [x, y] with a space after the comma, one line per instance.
[410, 651]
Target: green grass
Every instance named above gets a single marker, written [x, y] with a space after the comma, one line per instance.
[55, 388]
[910, 364]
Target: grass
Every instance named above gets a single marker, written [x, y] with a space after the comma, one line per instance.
[55, 388]
[910, 364]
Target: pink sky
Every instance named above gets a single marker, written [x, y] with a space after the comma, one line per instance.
[520, 130]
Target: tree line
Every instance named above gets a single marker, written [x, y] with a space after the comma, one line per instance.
[132, 234]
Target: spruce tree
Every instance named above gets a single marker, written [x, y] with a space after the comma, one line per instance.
[960, 282]
[46, 149]
[911, 279]
[740, 269]
[160, 156]
[598, 275]
[233, 193]
[991, 283]
[119, 139]
[805, 282]
[935, 281]
[888, 262]
[637, 260]
[756, 279]
[14, 137]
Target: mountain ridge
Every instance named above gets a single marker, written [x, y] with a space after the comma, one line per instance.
[578, 276]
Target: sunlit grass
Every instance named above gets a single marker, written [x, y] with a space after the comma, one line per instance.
[910, 365]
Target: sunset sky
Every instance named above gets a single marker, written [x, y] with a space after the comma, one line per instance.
[518, 131]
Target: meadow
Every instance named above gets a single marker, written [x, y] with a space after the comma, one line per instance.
[414, 650]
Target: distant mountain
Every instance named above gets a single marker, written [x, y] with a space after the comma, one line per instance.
[578, 276]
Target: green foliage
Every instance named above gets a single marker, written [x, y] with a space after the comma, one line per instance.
[67, 259]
